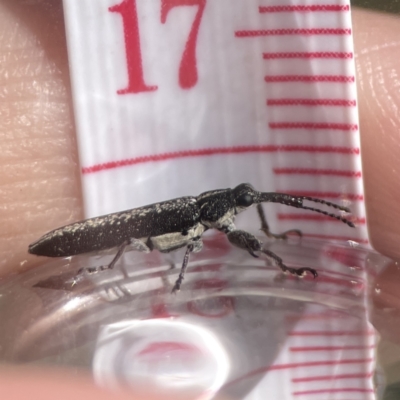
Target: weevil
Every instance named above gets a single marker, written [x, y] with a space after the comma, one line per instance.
[177, 223]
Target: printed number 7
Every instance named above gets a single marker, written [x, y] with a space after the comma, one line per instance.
[188, 67]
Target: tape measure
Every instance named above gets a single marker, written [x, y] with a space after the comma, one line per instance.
[176, 97]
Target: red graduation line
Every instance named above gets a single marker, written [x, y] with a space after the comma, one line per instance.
[309, 364]
[308, 55]
[312, 8]
[340, 390]
[314, 126]
[315, 171]
[332, 333]
[332, 377]
[211, 151]
[320, 149]
[311, 102]
[299, 32]
[310, 78]
[329, 348]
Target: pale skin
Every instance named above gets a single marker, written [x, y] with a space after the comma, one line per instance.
[39, 170]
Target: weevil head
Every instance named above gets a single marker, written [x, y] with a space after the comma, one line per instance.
[244, 197]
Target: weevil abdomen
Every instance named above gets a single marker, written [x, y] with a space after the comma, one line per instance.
[155, 220]
[172, 241]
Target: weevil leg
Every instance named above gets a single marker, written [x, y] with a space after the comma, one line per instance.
[136, 244]
[249, 242]
[265, 226]
[93, 270]
[245, 240]
[285, 268]
[185, 262]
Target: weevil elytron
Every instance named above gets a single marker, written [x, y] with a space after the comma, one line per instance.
[176, 223]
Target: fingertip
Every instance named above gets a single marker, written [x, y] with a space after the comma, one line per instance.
[18, 383]
[377, 45]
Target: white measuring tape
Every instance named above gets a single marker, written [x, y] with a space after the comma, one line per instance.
[176, 97]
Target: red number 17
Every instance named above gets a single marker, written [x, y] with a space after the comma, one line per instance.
[188, 67]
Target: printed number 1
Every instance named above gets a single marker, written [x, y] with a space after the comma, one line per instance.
[188, 67]
[136, 83]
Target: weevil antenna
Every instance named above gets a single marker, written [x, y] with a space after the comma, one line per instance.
[297, 201]
[327, 203]
[338, 217]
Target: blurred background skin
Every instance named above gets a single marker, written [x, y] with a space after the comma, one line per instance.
[39, 169]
